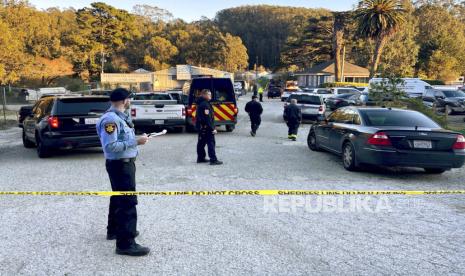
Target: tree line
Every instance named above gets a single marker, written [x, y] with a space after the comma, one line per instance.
[44, 45]
[421, 38]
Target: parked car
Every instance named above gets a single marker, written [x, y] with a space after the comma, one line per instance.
[274, 92]
[344, 90]
[448, 101]
[223, 101]
[288, 91]
[412, 87]
[323, 92]
[157, 110]
[341, 100]
[389, 137]
[24, 111]
[63, 122]
[312, 106]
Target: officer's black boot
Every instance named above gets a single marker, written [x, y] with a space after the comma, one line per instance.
[216, 162]
[131, 248]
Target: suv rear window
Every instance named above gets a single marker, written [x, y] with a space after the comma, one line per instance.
[83, 106]
[152, 97]
[397, 118]
[306, 99]
[221, 88]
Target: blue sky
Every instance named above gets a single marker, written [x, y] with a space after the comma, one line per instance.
[193, 9]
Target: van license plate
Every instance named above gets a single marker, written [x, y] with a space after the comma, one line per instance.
[90, 121]
[422, 144]
[159, 122]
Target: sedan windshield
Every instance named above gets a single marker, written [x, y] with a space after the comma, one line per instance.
[400, 118]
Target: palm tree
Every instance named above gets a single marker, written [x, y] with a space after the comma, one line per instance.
[338, 43]
[379, 20]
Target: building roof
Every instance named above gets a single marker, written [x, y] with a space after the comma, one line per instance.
[327, 68]
[141, 71]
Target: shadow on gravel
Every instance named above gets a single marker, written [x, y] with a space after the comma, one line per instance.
[391, 172]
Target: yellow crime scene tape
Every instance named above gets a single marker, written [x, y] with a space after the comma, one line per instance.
[232, 193]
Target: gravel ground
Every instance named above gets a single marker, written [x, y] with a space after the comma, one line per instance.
[419, 235]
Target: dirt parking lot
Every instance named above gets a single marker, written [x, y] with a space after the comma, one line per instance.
[226, 235]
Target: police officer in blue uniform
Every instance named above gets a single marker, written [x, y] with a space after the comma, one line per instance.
[119, 144]
[205, 124]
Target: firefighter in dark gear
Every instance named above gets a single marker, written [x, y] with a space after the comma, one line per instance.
[293, 116]
[255, 110]
[119, 144]
[205, 124]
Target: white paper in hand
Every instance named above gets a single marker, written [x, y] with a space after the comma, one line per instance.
[155, 134]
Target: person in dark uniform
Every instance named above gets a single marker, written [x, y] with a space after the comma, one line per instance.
[119, 144]
[293, 117]
[205, 124]
[255, 110]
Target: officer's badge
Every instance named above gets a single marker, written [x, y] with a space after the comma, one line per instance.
[110, 128]
[207, 111]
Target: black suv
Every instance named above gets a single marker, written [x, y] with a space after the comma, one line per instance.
[448, 101]
[63, 122]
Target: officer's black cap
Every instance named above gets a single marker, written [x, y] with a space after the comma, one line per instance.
[119, 94]
[254, 97]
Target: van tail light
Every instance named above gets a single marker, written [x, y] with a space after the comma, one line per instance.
[321, 109]
[236, 110]
[459, 143]
[53, 122]
[133, 112]
[183, 111]
[379, 139]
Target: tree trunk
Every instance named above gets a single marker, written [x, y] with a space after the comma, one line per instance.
[338, 41]
[379, 47]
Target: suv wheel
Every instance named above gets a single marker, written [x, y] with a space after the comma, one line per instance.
[348, 157]
[230, 128]
[42, 151]
[26, 143]
[311, 141]
[448, 110]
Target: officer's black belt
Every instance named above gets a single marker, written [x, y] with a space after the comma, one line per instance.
[124, 160]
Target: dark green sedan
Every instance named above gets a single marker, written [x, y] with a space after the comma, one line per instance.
[388, 137]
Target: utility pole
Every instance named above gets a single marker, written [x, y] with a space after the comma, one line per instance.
[4, 104]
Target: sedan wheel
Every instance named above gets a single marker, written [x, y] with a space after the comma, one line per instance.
[311, 141]
[348, 157]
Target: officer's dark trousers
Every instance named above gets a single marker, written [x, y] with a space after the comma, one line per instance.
[293, 127]
[260, 97]
[122, 216]
[255, 123]
[206, 138]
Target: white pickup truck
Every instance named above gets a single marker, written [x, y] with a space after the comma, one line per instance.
[157, 110]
